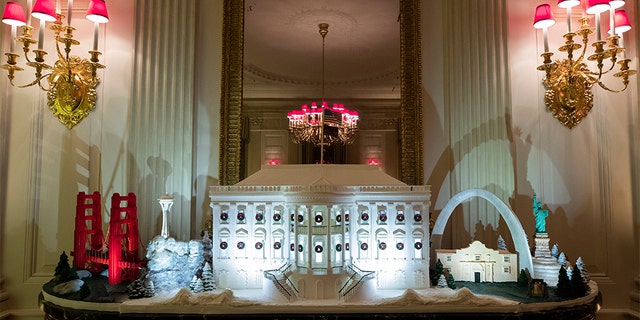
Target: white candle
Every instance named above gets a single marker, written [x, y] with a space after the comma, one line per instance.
[568, 19]
[599, 37]
[58, 10]
[29, 8]
[95, 36]
[621, 44]
[13, 38]
[41, 35]
[545, 36]
[612, 21]
[69, 7]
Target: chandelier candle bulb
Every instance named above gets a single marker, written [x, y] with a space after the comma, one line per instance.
[96, 26]
[69, 10]
[41, 35]
[568, 19]
[29, 8]
[542, 20]
[612, 23]
[598, 35]
[568, 4]
[13, 16]
[12, 40]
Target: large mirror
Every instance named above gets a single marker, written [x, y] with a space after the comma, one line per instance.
[240, 100]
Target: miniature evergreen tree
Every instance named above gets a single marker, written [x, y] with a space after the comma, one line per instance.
[135, 289]
[207, 245]
[207, 278]
[562, 259]
[555, 251]
[149, 288]
[64, 272]
[196, 285]
[583, 270]
[502, 245]
[578, 286]
[569, 269]
[442, 282]
[437, 272]
[523, 279]
[564, 284]
[193, 284]
[451, 283]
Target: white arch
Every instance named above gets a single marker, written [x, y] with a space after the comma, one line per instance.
[517, 232]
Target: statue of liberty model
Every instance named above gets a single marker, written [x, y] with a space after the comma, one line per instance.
[541, 216]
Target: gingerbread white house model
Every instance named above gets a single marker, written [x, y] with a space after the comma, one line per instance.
[479, 263]
[320, 231]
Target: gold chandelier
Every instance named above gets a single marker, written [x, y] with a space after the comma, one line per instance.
[71, 80]
[568, 81]
[323, 125]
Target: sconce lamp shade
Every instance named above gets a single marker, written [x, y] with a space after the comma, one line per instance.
[44, 10]
[622, 22]
[615, 4]
[597, 6]
[14, 14]
[543, 17]
[568, 3]
[97, 11]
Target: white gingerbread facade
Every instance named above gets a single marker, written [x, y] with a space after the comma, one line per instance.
[480, 264]
[313, 232]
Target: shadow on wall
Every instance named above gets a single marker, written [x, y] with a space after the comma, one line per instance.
[206, 220]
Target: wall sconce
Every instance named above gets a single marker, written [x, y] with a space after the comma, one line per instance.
[71, 80]
[568, 81]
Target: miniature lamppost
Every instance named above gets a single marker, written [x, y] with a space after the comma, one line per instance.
[166, 202]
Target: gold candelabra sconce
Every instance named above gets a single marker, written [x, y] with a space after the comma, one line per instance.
[568, 81]
[72, 80]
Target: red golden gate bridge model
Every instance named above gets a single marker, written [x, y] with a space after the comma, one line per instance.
[120, 252]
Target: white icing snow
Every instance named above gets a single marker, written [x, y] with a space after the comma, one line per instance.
[463, 296]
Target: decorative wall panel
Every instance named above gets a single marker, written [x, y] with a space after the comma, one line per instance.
[161, 122]
[478, 103]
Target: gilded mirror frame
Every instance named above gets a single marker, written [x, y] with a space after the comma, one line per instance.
[411, 144]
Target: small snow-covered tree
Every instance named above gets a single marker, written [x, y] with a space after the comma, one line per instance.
[207, 278]
[555, 251]
[442, 282]
[583, 270]
[562, 259]
[502, 245]
[149, 288]
[135, 289]
[207, 245]
[578, 286]
[196, 285]
[569, 269]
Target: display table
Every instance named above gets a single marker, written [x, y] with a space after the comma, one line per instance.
[58, 309]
